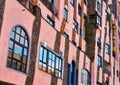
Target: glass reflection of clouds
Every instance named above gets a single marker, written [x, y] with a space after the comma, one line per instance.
[18, 49]
[50, 62]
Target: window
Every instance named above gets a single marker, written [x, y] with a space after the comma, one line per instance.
[72, 2]
[98, 20]
[79, 10]
[119, 23]
[50, 21]
[65, 12]
[99, 43]
[99, 5]
[52, 1]
[105, 31]
[107, 48]
[66, 35]
[86, 2]
[24, 2]
[72, 74]
[85, 77]
[18, 49]
[50, 62]
[117, 73]
[75, 25]
[95, 19]
[80, 31]
[99, 61]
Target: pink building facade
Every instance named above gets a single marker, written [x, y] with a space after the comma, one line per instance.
[59, 42]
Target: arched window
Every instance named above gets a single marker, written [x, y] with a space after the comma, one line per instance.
[18, 49]
[85, 77]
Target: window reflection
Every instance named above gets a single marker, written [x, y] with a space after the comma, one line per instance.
[49, 62]
[12, 34]
[18, 50]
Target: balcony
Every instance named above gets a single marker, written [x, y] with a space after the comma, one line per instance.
[51, 6]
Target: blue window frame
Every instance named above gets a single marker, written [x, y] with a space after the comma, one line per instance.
[99, 61]
[50, 21]
[107, 48]
[79, 10]
[18, 49]
[50, 62]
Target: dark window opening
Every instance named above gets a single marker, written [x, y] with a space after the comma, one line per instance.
[50, 21]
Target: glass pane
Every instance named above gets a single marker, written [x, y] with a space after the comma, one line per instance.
[50, 55]
[45, 56]
[22, 33]
[59, 74]
[53, 64]
[12, 34]
[52, 71]
[18, 30]
[17, 37]
[53, 57]
[57, 63]
[9, 62]
[10, 53]
[40, 65]
[14, 64]
[23, 68]
[25, 51]
[11, 44]
[56, 73]
[18, 65]
[44, 67]
[49, 69]
[49, 63]
[24, 59]
[17, 52]
[26, 43]
[41, 53]
[22, 40]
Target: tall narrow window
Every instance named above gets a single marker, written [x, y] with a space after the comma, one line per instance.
[79, 10]
[18, 49]
[75, 25]
[86, 2]
[65, 12]
[72, 74]
[72, 2]
[99, 5]
[99, 61]
[107, 48]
